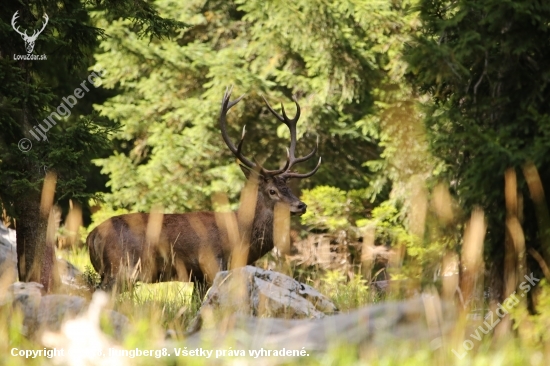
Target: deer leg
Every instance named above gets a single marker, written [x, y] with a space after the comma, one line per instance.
[107, 283]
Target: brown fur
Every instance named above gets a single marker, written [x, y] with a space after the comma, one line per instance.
[191, 246]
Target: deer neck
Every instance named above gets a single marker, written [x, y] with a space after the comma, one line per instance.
[260, 235]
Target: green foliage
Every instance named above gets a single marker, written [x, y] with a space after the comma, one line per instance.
[388, 222]
[534, 327]
[144, 17]
[346, 293]
[169, 151]
[481, 65]
[91, 278]
[484, 65]
[30, 91]
[423, 254]
[330, 208]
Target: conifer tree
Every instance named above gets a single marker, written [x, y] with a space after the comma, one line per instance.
[485, 66]
[331, 55]
[31, 91]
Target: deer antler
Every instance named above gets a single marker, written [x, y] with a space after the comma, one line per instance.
[291, 158]
[226, 106]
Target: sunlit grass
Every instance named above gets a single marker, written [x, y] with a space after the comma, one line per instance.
[171, 298]
[179, 292]
[79, 257]
[154, 308]
[166, 301]
[346, 294]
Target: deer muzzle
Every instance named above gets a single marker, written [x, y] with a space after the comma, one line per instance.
[298, 208]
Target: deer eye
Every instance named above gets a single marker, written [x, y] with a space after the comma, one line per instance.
[272, 192]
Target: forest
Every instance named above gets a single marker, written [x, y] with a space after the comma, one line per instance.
[427, 125]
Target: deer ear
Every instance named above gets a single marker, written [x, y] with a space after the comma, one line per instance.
[247, 172]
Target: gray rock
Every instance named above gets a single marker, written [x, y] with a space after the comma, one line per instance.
[68, 272]
[253, 291]
[422, 320]
[8, 255]
[25, 296]
[48, 313]
[266, 293]
[82, 338]
[54, 309]
[72, 281]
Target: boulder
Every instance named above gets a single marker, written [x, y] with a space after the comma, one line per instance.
[25, 296]
[72, 280]
[266, 294]
[253, 291]
[8, 255]
[250, 309]
[82, 340]
[48, 313]
[420, 320]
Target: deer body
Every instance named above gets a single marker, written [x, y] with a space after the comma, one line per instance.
[192, 239]
[121, 242]
[194, 246]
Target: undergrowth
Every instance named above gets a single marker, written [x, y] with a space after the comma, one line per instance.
[152, 309]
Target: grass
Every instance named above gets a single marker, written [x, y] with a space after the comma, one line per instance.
[79, 257]
[171, 300]
[154, 308]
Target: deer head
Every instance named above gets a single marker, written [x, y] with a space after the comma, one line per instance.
[273, 184]
[29, 40]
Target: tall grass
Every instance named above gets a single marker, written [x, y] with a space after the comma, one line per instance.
[154, 308]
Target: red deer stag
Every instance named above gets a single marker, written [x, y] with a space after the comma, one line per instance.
[194, 246]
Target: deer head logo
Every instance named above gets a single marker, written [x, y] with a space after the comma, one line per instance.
[29, 40]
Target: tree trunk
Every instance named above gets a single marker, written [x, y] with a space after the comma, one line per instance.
[35, 254]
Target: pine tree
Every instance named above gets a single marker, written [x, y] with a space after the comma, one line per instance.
[332, 56]
[485, 66]
[30, 91]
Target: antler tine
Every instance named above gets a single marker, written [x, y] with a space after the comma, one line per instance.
[226, 106]
[304, 158]
[291, 158]
[266, 172]
[284, 118]
[279, 117]
[298, 111]
[240, 144]
[288, 175]
[291, 124]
